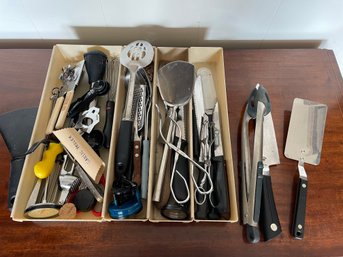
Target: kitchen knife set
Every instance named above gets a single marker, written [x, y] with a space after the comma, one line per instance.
[304, 143]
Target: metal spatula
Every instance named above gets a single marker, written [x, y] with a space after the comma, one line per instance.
[304, 144]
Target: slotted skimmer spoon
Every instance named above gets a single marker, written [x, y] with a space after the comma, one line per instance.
[135, 55]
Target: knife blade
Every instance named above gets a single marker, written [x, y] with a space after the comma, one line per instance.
[198, 99]
[208, 89]
[269, 219]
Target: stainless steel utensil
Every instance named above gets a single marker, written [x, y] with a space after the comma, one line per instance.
[137, 54]
[257, 107]
[176, 84]
[146, 141]
[304, 144]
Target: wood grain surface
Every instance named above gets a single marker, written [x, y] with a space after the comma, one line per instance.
[311, 74]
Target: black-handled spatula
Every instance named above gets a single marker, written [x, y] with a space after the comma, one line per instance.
[304, 144]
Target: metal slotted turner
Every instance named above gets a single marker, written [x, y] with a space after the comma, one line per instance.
[304, 144]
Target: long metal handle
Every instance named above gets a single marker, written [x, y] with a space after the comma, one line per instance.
[245, 167]
[257, 157]
[129, 96]
[159, 183]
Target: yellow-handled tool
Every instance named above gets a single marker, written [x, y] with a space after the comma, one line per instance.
[44, 167]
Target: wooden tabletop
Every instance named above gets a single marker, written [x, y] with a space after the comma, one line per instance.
[311, 74]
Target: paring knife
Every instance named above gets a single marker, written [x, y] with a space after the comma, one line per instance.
[269, 219]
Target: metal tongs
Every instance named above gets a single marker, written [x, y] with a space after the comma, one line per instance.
[257, 107]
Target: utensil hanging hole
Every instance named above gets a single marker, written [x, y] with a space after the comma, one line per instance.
[86, 121]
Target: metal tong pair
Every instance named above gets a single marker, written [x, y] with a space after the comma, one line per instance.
[258, 106]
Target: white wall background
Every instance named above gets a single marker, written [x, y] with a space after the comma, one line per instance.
[227, 23]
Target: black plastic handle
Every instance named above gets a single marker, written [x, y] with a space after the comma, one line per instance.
[173, 210]
[124, 150]
[202, 210]
[220, 183]
[179, 187]
[253, 234]
[16, 167]
[95, 62]
[196, 141]
[100, 87]
[258, 191]
[298, 228]
[108, 124]
[269, 218]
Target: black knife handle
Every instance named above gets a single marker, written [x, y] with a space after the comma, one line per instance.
[123, 149]
[203, 209]
[258, 191]
[220, 183]
[179, 186]
[269, 218]
[196, 141]
[298, 227]
[108, 124]
[213, 213]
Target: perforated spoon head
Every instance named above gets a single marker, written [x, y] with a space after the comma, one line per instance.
[137, 54]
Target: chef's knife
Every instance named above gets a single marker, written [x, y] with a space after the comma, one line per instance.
[198, 99]
[269, 217]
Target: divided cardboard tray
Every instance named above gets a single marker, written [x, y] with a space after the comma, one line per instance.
[62, 55]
